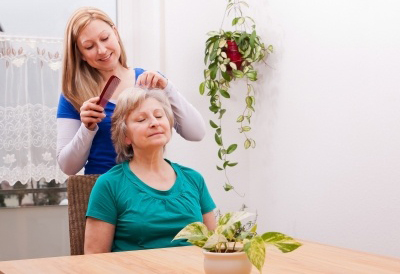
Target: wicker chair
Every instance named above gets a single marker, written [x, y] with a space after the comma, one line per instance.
[79, 188]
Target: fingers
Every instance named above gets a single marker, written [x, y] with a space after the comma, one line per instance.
[151, 80]
[91, 113]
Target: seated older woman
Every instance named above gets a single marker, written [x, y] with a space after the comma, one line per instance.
[145, 200]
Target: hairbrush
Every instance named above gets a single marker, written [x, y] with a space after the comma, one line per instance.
[108, 91]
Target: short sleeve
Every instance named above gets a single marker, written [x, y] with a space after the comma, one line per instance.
[206, 202]
[66, 109]
[102, 204]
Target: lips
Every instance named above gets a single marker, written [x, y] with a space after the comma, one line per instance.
[106, 58]
[156, 133]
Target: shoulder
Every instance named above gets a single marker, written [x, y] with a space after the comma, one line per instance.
[189, 173]
[138, 71]
[111, 178]
[66, 109]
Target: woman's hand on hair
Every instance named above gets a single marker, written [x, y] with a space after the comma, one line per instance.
[91, 113]
[152, 79]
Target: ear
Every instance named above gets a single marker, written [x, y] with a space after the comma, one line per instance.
[128, 141]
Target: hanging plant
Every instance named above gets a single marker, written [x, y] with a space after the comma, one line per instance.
[229, 56]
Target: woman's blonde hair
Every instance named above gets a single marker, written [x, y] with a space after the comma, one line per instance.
[128, 101]
[80, 81]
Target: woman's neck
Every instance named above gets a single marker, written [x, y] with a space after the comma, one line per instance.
[148, 160]
[118, 71]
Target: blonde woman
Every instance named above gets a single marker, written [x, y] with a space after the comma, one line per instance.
[93, 51]
[145, 200]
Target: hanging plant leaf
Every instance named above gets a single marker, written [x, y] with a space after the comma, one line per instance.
[240, 119]
[218, 131]
[228, 187]
[213, 125]
[219, 154]
[201, 88]
[219, 168]
[218, 139]
[252, 37]
[238, 73]
[247, 144]
[221, 112]
[226, 76]
[235, 20]
[224, 93]
[232, 164]
[231, 148]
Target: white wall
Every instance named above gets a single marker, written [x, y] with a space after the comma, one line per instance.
[33, 232]
[327, 163]
[44, 18]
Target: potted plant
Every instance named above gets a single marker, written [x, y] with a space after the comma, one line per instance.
[230, 56]
[233, 247]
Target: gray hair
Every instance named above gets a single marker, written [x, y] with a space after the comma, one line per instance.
[129, 100]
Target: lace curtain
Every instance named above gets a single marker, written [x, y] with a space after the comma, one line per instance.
[30, 70]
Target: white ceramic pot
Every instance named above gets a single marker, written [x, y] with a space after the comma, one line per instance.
[226, 263]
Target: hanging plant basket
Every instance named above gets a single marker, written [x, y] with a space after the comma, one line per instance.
[232, 52]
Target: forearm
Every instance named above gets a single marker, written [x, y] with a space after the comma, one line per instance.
[188, 121]
[73, 145]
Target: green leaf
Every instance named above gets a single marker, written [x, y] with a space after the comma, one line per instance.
[246, 128]
[219, 154]
[218, 131]
[238, 73]
[214, 240]
[247, 144]
[219, 168]
[232, 164]
[225, 164]
[213, 125]
[218, 139]
[254, 229]
[241, 21]
[226, 76]
[255, 250]
[228, 187]
[212, 33]
[231, 148]
[240, 119]
[235, 20]
[249, 101]
[206, 58]
[270, 49]
[214, 108]
[237, 217]
[221, 113]
[252, 37]
[224, 93]
[194, 231]
[213, 72]
[283, 242]
[201, 88]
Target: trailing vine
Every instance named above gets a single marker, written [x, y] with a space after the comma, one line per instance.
[229, 56]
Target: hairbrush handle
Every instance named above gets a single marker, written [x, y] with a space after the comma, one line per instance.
[108, 91]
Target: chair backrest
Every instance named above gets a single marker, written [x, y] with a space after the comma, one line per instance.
[79, 188]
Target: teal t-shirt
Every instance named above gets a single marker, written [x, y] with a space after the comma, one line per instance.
[145, 217]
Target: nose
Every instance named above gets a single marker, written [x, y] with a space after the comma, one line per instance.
[101, 49]
[154, 122]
